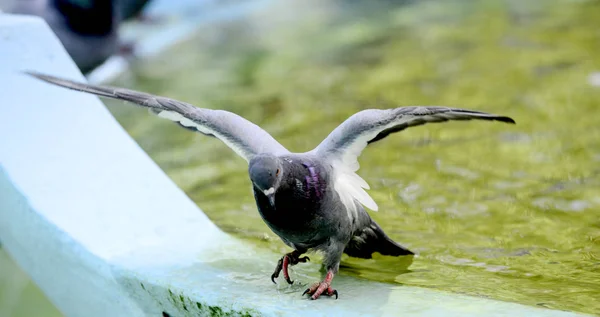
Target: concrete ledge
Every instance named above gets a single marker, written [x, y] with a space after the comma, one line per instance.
[104, 232]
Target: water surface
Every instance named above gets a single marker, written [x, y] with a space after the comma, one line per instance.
[494, 210]
[19, 296]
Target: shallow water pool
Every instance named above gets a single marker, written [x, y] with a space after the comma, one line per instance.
[494, 210]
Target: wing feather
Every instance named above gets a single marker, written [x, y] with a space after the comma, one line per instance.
[241, 135]
[345, 144]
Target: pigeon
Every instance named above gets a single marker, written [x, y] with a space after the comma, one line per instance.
[131, 8]
[86, 28]
[314, 201]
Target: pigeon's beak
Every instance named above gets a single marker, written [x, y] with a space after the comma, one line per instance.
[270, 193]
[271, 198]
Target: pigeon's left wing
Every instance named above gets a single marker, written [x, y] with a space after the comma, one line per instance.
[343, 146]
[241, 135]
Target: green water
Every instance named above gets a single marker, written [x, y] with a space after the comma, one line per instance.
[19, 296]
[498, 211]
[494, 210]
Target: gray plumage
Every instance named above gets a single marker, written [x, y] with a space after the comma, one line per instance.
[86, 28]
[312, 200]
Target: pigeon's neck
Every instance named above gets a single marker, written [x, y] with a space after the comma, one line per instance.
[313, 181]
[88, 17]
[304, 180]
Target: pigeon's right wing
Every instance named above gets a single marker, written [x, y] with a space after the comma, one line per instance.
[241, 135]
[343, 146]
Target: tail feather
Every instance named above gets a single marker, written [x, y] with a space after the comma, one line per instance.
[372, 239]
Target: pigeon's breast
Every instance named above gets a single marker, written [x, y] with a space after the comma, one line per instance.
[298, 212]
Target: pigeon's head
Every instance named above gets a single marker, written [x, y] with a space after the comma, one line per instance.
[265, 174]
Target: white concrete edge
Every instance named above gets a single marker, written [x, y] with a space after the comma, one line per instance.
[59, 265]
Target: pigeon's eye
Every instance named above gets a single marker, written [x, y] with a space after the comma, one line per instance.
[277, 173]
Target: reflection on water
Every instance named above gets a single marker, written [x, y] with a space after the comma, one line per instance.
[506, 212]
[19, 296]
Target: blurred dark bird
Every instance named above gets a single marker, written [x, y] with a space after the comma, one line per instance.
[129, 9]
[314, 200]
[86, 28]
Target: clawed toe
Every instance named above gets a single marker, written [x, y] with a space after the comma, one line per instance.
[287, 279]
[278, 269]
[332, 292]
[285, 262]
[319, 289]
[273, 277]
[311, 290]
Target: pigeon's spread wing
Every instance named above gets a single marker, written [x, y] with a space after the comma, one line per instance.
[241, 135]
[343, 146]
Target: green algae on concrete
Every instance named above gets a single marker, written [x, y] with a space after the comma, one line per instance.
[498, 211]
[153, 298]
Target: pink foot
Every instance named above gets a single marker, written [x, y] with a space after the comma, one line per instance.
[287, 260]
[321, 288]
